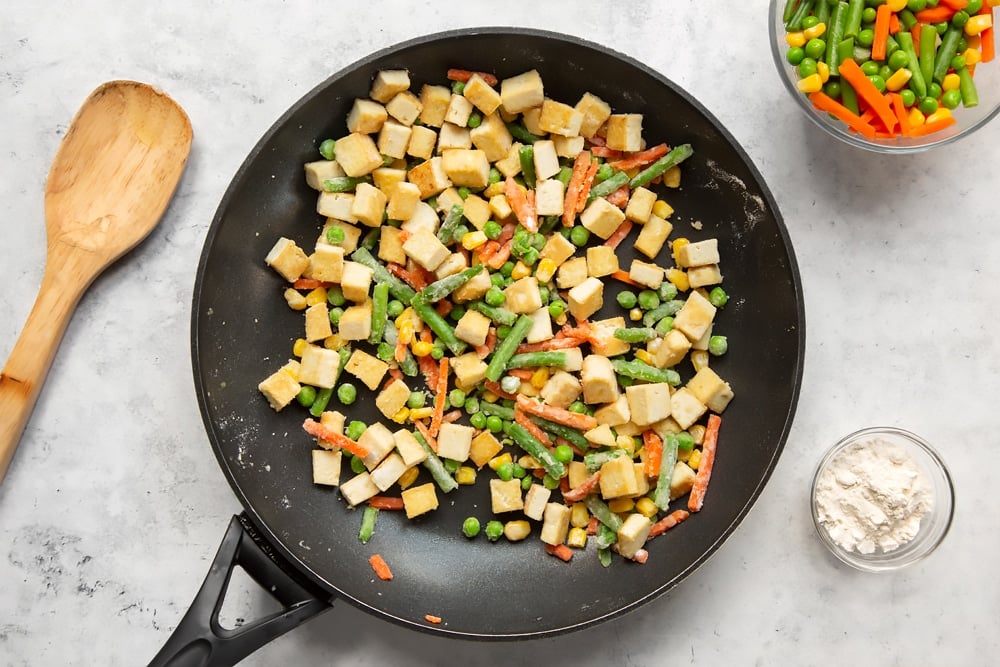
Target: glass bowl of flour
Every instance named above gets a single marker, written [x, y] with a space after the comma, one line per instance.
[882, 499]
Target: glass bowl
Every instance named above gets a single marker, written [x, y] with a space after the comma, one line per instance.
[933, 525]
[987, 79]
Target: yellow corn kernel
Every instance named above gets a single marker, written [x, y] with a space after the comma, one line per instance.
[545, 270]
[818, 30]
[577, 538]
[473, 240]
[678, 279]
[951, 81]
[498, 461]
[299, 346]
[978, 23]
[896, 5]
[490, 397]
[676, 245]
[940, 114]
[421, 348]
[646, 507]
[697, 432]
[540, 377]
[294, 299]
[823, 70]
[635, 314]
[315, 296]
[493, 190]
[466, 476]
[898, 79]
[795, 38]
[334, 342]
[627, 444]
[916, 117]
[672, 177]
[529, 462]
[401, 416]
[972, 56]
[683, 455]
[521, 270]
[515, 531]
[562, 319]
[407, 479]
[662, 209]
[643, 355]
[421, 413]
[811, 84]
[695, 459]
[699, 359]
[579, 517]
[619, 505]
[527, 389]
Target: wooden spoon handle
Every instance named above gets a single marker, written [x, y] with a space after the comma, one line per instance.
[24, 373]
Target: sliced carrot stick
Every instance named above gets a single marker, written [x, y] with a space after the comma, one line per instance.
[900, 110]
[431, 618]
[619, 197]
[559, 415]
[441, 394]
[532, 428]
[560, 551]
[935, 14]
[850, 71]
[424, 431]
[641, 556]
[494, 388]
[521, 373]
[443, 307]
[931, 128]
[882, 16]
[551, 344]
[451, 417]
[400, 354]
[824, 102]
[386, 502]
[987, 42]
[654, 452]
[605, 152]
[642, 158]
[463, 75]
[957, 5]
[310, 283]
[519, 201]
[619, 234]
[394, 374]
[708, 445]
[381, 568]
[624, 277]
[592, 526]
[588, 183]
[413, 280]
[317, 429]
[429, 369]
[580, 166]
[894, 25]
[585, 488]
[668, 522]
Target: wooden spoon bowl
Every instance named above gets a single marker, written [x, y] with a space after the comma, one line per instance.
[109, 184]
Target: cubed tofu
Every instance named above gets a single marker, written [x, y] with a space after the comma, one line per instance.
[483, 448]
[455, 441]
[336, 205]
[481, 94]
[557, 248]
[615, 413]
[618, 478]
[601, 217]
[600, 384]
[652, 236]
[577, 474]
[549, 197]
[541, 327]
[586, 298]
[390, 245]
[710, 389]
[280, 389]
[500, 207]
[640, 478]
[358, 154]
[522, 92]
[506, 496]
[561, 389]
[704, 276]
[448, 198]
[458, 111]
[424, 218]
[665, 427]
[351, 235]
[601, 436]
[595, 112]
[321, 170]
[405, 107]
[695, 316]
[358, 489]
[469, 370]
[646, 274]
[378, 440]
[388, 471]
[473, 328]
[682, 480]
[367, 368]
[535, 500]
[574, 359]
[388, 83]
[559, 118]
[510, 166]
[365, 117]
[369, 204]
[546, 161]
[453, 136]
[419, 500]
[492, 137]
[571, 272]
[334, 421]
[685, 408]
[568, 147]
[393, 398]
[603, 339]
[355, 281]
[327, 263]
[319, 367]
[476, 210]
[699, 253]
[430, 177]
[288, 259]
[475, 288]
[466, 167]
[318, 322]
[648, 403]
[671, 350]
[522, 296]
[632, 534]
[602, 261]
[530, 118]
[393, 139]
[640, 205]
[326, 466]
[356, 322]
[555, 523]
[434, 102]
[409, 449]
[625, 132]
[454, 263]
[425, 249]
[422, 142]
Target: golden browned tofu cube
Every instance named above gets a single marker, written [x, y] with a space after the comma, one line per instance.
[430, 177]
[601, 261]
[318, 322]
[419, 500]
[618, 478]
[492, 137]
[287, 259]
[602, 218]
[319, 367]
[358, 154]
[595, 112]
[481, 94]
[505, 496]
[356, 322]
[483, 448]
[522, 92]
[370, 370]
[365, 117]
[326, 466]
[404, 107]
[695, 316]
[393, 398]
[369, 205]
[625, 132]
[358, 489]
[388, 83]
[555, 523]
[648, 403]
[434, 102]
[559, 118]
[280, 389]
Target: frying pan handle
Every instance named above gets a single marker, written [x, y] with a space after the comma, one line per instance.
[201, 641]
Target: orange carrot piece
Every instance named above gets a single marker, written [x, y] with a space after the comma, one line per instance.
[592, 526]
[521, 373]
[619, 234]
[443, 307]
[585, 488]
[441, 394]
[668, 522]
[915, 32]
[520, 203]
[394, 374]
[894, 25]
[451, 417]
[429, 369]
[580, 166]
[935, 14]
[551, 344]
[654, 452]
[708, 446]
[400, 354]
[931, 128]
[494, 388]
[619, 197]
[588, 183]
[424, 431]
[310, 283]
[882, 16]
[560, 551]
[559, 415]
[900, 110]
[850, 72]
[386, 502]
[624, 277]
[411, 279]
[957, 5]
[605, 152]
[824, 102]
[381, 568]
[532, 428]
[987, 43]
[323, 432]
[641, 556]
[431, 618]
[463, 75]
[642, 158]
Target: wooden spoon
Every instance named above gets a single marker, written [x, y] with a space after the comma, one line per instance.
[110, 182]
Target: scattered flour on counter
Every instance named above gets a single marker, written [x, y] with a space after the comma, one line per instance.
[872, 496]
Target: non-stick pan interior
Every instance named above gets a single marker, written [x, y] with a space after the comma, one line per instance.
[243, 330]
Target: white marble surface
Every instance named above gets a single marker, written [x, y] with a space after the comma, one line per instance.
[114, 504]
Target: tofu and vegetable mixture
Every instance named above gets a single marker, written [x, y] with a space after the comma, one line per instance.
[472, 234]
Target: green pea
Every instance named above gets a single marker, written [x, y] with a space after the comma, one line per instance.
[526, 483]
[495, 296]
[437, 352]
[685, 440]
[530, 257]
[928, 105]
[505, 471]
[718, 297]
[626, 299]
[885, 71]
[458, 87]
[870, 68]
[335, 315]
[807, 67]
[357, 464]
[667, 291]
[718, 345]
[470, 527]
[815, 48]
[934, 90]
[563, 453]
[958, 62]
[478, 420]
[456, 313]
[878, 82]
[916, 5]
[865, 37]
[557, 308]
[519, 470]
[472, 405]
[494, 530]
[898, 60]
[648, 299]
[960, 18]
[460, 231]
[395, 308]
[579, 236]
[494, 424]
[493, 230]
[606, 171]
[347, 393]
[795, 55]
[951, 99]
[578, 407]
[942, 27]
[327, 149]
[908, 96]
[416, 400]
[832, 88]
[973, 7]
[306, 396]
[550, 482]
[457, 398]
[503, 331]
[507, 269]
[385, 352]
[335, 234]
[475, 120]
[355, 429]
[868, 15]
[335, 296]
[809, 22]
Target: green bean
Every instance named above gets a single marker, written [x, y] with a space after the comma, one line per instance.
[328, 149]
[436, 468]
[639, 370]
[564, 175]
[603, 513]
[380, 312]
[926, 54]
[438, 324]
[409, 365]
[505, 350]
[967, 87]
[594, 460]
[526, 155]
[891, 45]
[446, 232]
[661, 495]
[664, 326]
[495, 313]
[677, 155]
[949, 45]
[491, 409]
[907, 18]
[604, 188]
[636, 334]
[397, 287]
[835, 36]
[568, 432]
[917, 82]
[536, 359]
[823, 12]
[853, 24]
[344, 183]
[520, 132]
[849, 98]
[368, 518]
[802, 11]
[439, 289]
[370, 239]
[663, 310]
[536, 449]
[321, 401]
[786, 14]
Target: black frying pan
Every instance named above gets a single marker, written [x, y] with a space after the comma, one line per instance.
[300, 540]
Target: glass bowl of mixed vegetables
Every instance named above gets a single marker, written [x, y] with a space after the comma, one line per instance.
[891, 76]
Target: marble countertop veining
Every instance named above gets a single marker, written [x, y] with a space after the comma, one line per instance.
[114, 505]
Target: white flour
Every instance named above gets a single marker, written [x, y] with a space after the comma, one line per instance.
[872, 496]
